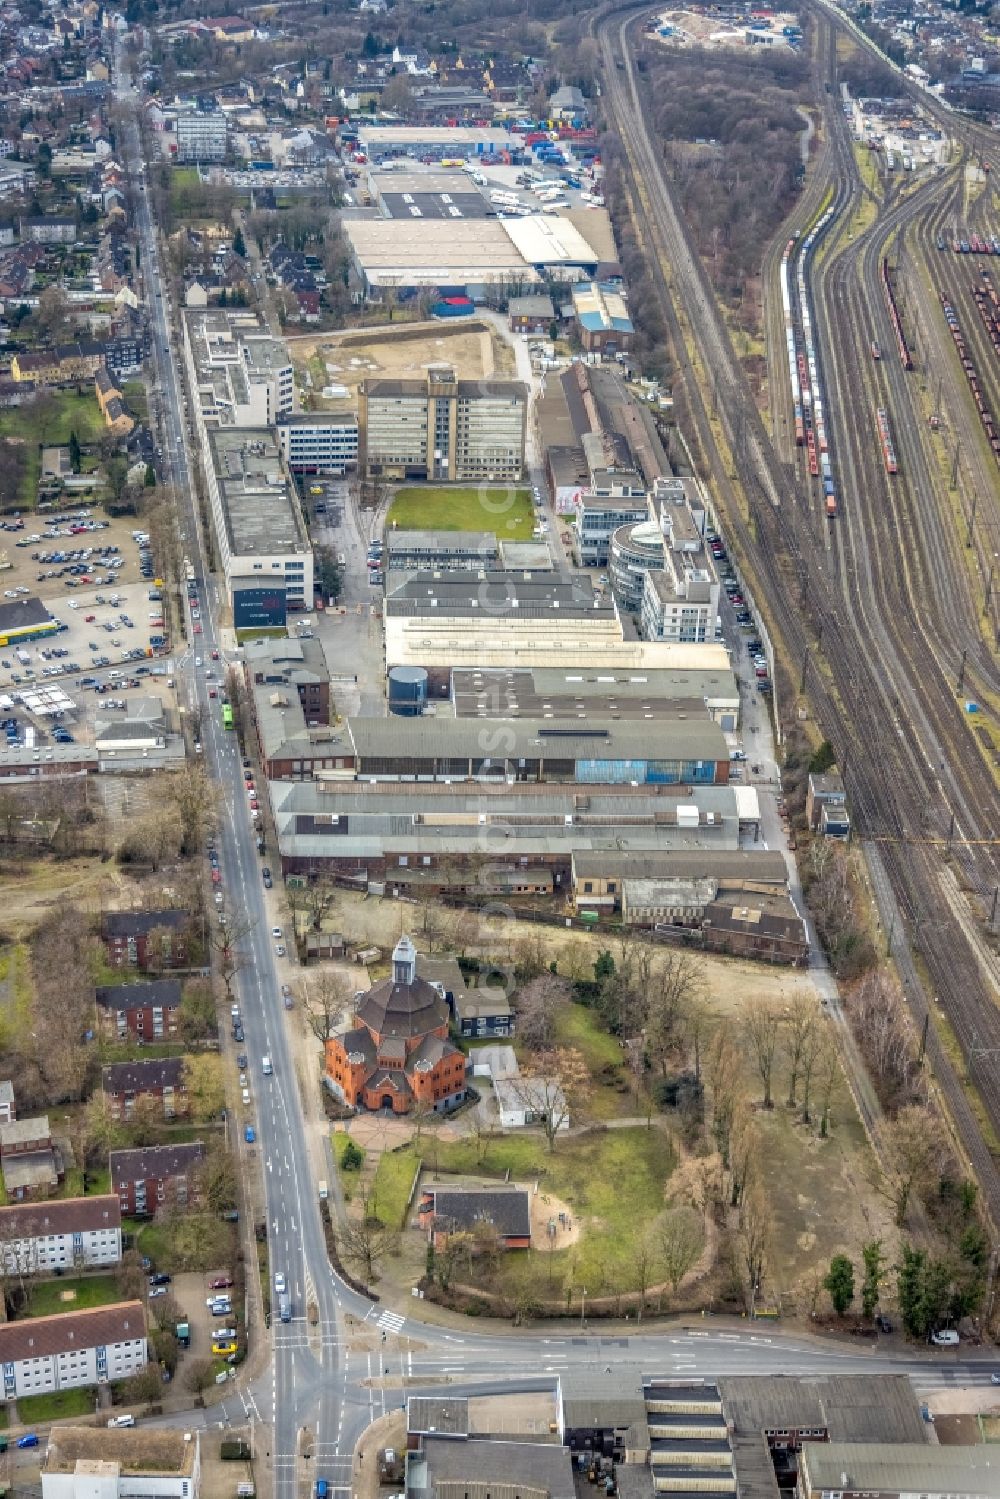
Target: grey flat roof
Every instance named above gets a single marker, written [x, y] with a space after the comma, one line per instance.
[496, 592]
[852, 1407]
[23, 614]
[446, 543]
[593, 1398]
[537, 1467]
[766, 866]
[413, 206]
[259, 503]
[531, 738]
[445, 1415]
[912, 1468]
[552, 690]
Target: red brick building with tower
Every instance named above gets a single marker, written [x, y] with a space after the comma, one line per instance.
[397, 1053]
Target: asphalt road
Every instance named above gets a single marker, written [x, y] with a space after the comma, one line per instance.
[314, 1381]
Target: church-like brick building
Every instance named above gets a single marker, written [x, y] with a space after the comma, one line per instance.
[397, 1053]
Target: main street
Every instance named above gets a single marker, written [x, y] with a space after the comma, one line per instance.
[313, 1379]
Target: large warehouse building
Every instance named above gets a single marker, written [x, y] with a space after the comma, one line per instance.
[444, 248]
[511, 620]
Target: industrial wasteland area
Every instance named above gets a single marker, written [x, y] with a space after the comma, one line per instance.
[500, 749]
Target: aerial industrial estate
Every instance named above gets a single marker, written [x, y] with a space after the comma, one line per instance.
[500, 554]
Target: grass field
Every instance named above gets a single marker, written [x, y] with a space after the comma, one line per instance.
[613, 1181]
[90, 1291]
[506, 512]
[33, 1409]
[47, 424]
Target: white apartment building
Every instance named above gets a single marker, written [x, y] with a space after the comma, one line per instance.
[239, 375]
[319, 443]
[66, 1234]
[83, 1462]
[440, 427]
[256, 514]
[98, 1346]
[201, 135]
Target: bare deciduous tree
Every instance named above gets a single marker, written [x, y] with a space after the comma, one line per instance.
[761, 1027]
[681, 1238]
[551, 1083]
[753, 1237]
[364, 1242]
[800, 1025]
[537, 1005]
[914, 1153]
[674, 985]
[325, 995]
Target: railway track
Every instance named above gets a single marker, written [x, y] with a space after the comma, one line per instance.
[790, 554]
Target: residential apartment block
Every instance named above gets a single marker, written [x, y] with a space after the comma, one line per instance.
[160, 1079]
[155, 1177]
[148, 1010]
[99, 1346]
[69, 1234]
[135, 939]
[442, 428]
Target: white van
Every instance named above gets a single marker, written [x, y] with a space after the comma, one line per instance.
[266, 1067]
[324, 1191]
[121, 1421]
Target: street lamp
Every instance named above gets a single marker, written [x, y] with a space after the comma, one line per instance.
[583, 1307]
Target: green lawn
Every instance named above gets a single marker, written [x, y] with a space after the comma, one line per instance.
[393, 1180]
[33, 1409]
[91, 1290]
[613, 1182]
[49, 423]
[505, 512]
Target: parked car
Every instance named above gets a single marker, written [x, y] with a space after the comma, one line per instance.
[249, 1134]
[220, 1283]
[161, 1278]
[28, 1440]
[947, 1337]
[223, 1348]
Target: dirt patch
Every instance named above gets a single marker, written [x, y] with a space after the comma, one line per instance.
[28, 892]
[552, 1223]
[67, 1295]
[347, 359]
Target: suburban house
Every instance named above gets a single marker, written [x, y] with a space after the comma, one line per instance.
[147, 1010]
[474, 1012]
[483, 1011]
[155, 1177]
[30, 1164]
[121, 1464]
[98, 1346]
[160, 1078]
[142, 939]
[37, 1238]
[397, 1054]
[444, 1211]
[8, 1108]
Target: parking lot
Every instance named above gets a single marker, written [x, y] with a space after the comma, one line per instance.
[112, 637]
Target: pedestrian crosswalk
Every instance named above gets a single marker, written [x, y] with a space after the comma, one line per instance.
[391, 1322]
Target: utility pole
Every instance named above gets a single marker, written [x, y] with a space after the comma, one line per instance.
[975, 505]
[961, 672]
[989, 585]
[993, 909]
[954, 469]
[923, 1040]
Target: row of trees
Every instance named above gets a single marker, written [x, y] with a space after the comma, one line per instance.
[931, 1290]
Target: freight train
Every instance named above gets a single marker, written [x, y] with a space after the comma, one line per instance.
[885, 438]
[905, 357]
[972, 375]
